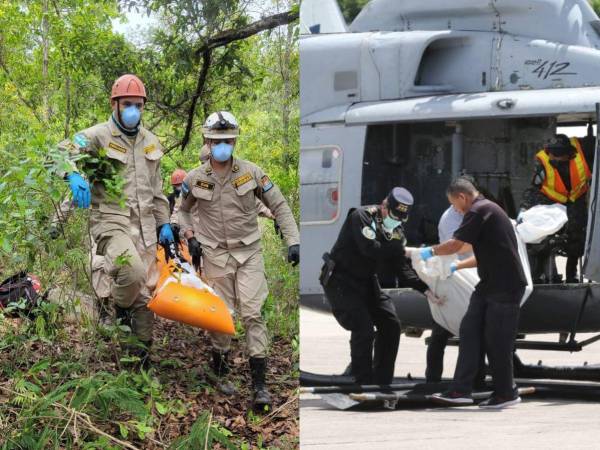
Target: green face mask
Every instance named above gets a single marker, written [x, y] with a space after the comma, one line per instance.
[390, 224]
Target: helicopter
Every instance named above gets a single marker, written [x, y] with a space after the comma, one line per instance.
[415, 93]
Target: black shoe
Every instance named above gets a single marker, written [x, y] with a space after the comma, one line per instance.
[453, 398]
[220, 367]
[499, 402]
[261, 401]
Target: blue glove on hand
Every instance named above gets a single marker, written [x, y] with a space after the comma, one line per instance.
[453, 268]
[166, 235]
[426, 253]
[80, 190]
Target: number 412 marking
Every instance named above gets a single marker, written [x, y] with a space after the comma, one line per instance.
[545, 70]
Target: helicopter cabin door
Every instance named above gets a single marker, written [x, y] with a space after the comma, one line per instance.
[591, 258]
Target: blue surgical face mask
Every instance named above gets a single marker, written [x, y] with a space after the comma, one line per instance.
[390, 224]
[222, 152]
[130, 117]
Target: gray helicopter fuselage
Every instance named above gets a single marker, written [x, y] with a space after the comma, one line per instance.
[417, 92]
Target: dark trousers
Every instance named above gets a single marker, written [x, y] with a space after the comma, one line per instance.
[491, 322]
[435, 353]
[576, 232]
[374, 327]
[435, 357]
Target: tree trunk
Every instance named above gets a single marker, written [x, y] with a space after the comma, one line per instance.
[285, 47]
[68, 106]
[45, 46]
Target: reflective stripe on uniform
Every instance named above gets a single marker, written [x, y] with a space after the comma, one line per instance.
[553, 186]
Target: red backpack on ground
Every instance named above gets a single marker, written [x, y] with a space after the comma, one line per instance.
[21, 286]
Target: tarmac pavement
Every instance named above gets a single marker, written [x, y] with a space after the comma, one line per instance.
[536, 423]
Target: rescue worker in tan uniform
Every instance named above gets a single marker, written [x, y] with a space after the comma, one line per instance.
[125, 226]
[263, 211]
[222, 193]
[100, 279]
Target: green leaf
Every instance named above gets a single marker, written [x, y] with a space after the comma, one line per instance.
[123, 430]
[162, 409]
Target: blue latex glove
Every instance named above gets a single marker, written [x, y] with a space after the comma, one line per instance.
[80, 190]
[426, 253]
[166, 235]
[453, 268]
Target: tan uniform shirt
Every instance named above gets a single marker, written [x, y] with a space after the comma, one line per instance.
[138, 162]
[263, 211]
[226, 208]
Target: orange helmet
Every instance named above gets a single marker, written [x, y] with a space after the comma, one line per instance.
[128, 86]
[178, 176]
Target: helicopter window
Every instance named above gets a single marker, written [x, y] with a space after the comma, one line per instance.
[386, 152]
[415, 156]
[320, 184]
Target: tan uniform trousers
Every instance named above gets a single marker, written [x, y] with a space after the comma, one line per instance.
[133, 272]
[100, 279]
[241, 283]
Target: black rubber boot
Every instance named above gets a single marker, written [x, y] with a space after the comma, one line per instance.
[220, 367]
[104, 313]
[261, 400]
[122, 316]
[142, 352]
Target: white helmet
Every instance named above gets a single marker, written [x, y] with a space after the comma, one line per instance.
[221, 125]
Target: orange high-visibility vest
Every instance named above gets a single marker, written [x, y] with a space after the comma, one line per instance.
[554, 187]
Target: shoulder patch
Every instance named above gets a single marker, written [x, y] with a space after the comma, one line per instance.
[205, 185]
[185, 189]
[149, 148]
[368, 232]
[239, 181]
[81, 140]
[117, 147]
[266, 183]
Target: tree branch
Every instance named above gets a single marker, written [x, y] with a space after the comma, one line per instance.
[229, 36]
[199, 88]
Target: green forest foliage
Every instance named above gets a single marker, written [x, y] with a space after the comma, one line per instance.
[351, 8]
[58, 60]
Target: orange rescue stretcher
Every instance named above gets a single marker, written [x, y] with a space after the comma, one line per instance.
[181, 295]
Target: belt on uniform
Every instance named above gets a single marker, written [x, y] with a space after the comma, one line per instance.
[231, 245]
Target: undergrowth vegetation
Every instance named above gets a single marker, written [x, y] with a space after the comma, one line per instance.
[64, 382]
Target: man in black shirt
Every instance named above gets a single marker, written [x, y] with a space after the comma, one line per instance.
[493, 313]
[371, 241]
